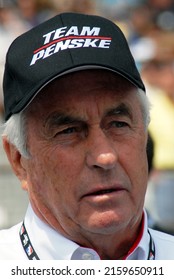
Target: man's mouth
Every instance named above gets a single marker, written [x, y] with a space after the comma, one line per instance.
[104, 191]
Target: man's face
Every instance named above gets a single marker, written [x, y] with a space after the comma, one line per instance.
[87, 172]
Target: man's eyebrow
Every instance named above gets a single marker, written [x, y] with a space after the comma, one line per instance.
[120, 110]
[58, 119]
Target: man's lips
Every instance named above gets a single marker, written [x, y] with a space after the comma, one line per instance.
[99, 191]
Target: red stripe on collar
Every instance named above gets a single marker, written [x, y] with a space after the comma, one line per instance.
[137, 241]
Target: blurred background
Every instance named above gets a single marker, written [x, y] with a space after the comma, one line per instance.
[149, 28]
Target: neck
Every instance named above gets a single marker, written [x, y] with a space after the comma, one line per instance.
[115, 246]
[119, 245]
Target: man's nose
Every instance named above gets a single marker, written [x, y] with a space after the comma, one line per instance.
[101, 152]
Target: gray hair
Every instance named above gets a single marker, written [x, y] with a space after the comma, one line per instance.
[145, 107]
[15, 129]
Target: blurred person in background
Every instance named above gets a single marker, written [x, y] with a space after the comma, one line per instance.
[33, 12]
[158, 73]
[77, 6]
[163, 13]
[141, 23]
[148, 17]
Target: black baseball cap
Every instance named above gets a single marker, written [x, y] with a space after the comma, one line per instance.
[65, 43]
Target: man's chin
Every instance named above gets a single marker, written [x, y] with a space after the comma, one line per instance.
[105, 224]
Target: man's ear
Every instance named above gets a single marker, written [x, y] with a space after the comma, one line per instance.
[16, 160]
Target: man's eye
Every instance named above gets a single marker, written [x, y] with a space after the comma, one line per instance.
[119, 124]
[68, 130]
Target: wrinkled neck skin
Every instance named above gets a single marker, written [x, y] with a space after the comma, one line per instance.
[109, 246]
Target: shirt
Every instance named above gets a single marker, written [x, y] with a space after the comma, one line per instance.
[51, 245]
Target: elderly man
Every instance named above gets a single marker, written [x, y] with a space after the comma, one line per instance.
[76, 135]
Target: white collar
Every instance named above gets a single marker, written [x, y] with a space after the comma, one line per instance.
[51, 245]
